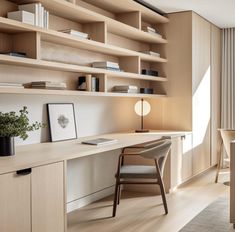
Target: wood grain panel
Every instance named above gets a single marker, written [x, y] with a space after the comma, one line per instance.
[201, 94]
[15, 203]
[48, 199]
[177, 112]
[215, 91]
[130, 18]
[26, 42]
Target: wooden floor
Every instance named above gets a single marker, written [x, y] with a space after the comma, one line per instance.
[139, 212]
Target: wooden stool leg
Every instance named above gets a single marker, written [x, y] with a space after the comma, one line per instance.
[219, 163]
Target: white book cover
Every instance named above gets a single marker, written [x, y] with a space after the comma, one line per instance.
[48, 16]
[45, 19]
[74, 32]
[32, 8]
[100, 141]
[147, 28]
[93, 84]
[22, 16]
[155, 33]
[151, 53]
[42, 16]
[105, 64]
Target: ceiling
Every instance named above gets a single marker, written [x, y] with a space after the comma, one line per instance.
[219, 12]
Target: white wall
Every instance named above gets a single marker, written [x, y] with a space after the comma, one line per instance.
[94, 115]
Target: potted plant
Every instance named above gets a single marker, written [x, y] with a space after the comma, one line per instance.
[13, 125]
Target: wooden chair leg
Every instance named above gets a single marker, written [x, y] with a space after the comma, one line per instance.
[163, 193]
[115, 199]
[162, 187]
[219, 163]
[119, 193]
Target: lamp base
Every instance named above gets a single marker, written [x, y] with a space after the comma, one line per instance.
[142, 131]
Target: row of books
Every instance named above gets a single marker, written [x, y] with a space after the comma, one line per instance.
[107, 65]
[88, 83]
[79, 34]
[33, 13]
[13, 53]
[151, 30]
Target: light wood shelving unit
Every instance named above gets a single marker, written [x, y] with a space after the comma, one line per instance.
[116, 36]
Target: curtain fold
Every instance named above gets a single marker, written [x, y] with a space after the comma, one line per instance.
[227, 82]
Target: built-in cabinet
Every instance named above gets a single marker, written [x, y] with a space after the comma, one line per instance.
[32, 200]
[193, 70]
[15, 203]
[181, 160]
[201, 88]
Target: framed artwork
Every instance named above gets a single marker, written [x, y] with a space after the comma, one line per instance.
[62, 123]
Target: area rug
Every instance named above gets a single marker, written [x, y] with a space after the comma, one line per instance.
[214, 218]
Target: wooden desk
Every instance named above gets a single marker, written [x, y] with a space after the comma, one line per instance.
[30, 197]
[28, 156]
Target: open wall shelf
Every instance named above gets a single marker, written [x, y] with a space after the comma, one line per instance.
[115, 35]
[74, 93]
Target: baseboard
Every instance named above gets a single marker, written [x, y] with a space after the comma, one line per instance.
[197, 176]
[78, 203]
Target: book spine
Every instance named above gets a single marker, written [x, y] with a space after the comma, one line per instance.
[48, 16]
[42, 16]
[93, 84]
[36, 15]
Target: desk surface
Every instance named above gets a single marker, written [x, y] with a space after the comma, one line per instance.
[28, 156]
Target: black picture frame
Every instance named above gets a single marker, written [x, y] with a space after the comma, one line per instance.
[61, 127]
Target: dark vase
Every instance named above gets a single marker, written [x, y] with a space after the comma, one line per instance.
[7, 146]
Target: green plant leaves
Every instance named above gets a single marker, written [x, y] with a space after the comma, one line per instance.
[13, 125]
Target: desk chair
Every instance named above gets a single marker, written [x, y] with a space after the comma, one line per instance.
[227, 136]
[156, 150]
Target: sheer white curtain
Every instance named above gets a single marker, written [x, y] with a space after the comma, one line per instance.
[228, 79]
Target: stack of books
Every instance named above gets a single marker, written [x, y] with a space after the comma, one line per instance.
[107, 65]
[33, 13]
[125, 89]
[151, 53]
[11, 85]
[46, 85]
[151, 30]
[13, 53]
[79, 34]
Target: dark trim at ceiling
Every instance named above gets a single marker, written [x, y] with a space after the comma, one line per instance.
[150, 6]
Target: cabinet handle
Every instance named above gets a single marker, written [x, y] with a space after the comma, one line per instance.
[183, 137]
[24, 172]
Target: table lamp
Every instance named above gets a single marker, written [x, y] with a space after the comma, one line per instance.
[142, 108]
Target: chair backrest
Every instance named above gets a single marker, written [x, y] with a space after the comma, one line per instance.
[159, 152]
[227, 136]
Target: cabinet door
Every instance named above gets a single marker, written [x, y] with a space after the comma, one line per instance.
[215, 92]
[48, 199]
[176, 162]
[187, 157]
[15, 203]
[201, 94]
